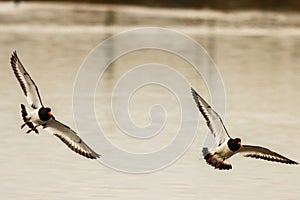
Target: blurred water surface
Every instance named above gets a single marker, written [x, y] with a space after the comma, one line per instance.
[257, 55]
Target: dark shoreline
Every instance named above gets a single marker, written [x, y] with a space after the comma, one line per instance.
[268, 5]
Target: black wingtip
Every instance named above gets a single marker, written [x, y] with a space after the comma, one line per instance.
[193, 91]
[14, 54]
[195, 94]
[98, 156]
[14, 58]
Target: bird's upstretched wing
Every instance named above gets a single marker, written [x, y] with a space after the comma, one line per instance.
[70, 138]
[27, 84]
[213, 120]
[264, 153]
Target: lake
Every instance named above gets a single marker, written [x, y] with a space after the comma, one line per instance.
[258, 61]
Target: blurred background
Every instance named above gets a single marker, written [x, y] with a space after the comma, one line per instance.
[213, 4]
[255, 45]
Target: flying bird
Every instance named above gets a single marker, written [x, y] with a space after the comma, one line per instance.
[226, 146]
[40, 116]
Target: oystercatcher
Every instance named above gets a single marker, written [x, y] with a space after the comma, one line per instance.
[227, 146]
[39, 115]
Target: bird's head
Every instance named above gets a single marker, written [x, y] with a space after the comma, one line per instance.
[234, 144]
[45, 114]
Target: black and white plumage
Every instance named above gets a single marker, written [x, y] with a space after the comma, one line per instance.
[227, 146]
[38, 115]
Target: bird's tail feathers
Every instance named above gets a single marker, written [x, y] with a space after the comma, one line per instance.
[209, 158]
[205, 152]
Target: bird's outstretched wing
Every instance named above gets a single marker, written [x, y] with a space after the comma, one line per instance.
[70, 138]
[213, 120]
[264, 153]
[27, 84]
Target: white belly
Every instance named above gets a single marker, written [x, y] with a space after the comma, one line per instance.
[35, 119]
[223, 151]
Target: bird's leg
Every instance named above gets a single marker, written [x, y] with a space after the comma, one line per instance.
[208, 160]
[26, 122]
[218, 165]
[33, 129]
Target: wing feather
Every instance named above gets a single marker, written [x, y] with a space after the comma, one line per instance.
[213, 120]
[70, 138]
[27, 84]
[264, 153]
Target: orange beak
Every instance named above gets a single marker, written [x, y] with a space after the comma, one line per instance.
[239, 143]
[50, 114]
